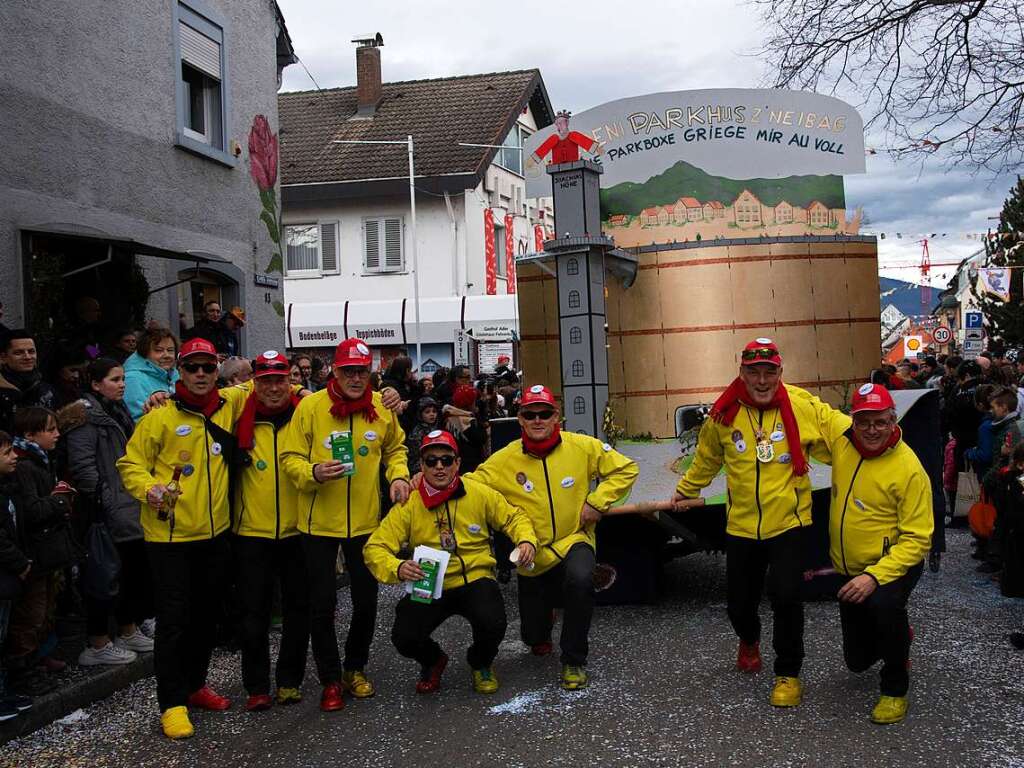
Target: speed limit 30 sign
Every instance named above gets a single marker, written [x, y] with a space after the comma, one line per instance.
[942, 335]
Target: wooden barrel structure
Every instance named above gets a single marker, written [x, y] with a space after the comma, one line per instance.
[674, 335]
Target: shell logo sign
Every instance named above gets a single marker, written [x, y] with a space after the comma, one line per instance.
[913, 346]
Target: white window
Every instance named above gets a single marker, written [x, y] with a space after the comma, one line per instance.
[311, 250]
[202, 96]
[510, 156]
[383, 244]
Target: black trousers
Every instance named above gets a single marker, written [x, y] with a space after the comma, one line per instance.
[569, 584]
[187, 576]
[261, 563]
[134, 603]
[321, 558]
[749, 564]
[479, 602]
[879, 628]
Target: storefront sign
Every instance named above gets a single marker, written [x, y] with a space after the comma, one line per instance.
[493, 332]
[461, 352]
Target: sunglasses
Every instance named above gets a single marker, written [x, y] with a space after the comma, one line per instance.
[352, 372]
[195, 367]
[275, 367]
[759, 354]
[534, 415]
[446, 460]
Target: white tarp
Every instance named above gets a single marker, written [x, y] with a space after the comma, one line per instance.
[393, 322]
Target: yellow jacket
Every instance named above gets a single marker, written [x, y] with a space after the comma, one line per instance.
[350, 506]
[469, 512]
[764, 499]
[553, 490]
[177, 436]
[266, 501]
[880, 518]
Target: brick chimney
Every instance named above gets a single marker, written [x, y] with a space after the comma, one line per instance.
[368, 85]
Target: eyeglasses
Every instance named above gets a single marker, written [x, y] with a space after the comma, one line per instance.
[276, 367]
[196, 367]
[762, 353]
[534, 415]
[446, 460]
[352, 372]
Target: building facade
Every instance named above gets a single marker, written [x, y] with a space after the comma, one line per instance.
[126, 175]
[348, 248]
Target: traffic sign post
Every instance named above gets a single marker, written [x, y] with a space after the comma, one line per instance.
[942, 335]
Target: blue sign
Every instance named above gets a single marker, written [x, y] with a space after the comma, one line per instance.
[972, 320]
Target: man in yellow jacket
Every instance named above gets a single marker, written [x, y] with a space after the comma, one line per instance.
[454, 516]
[185, 528]
[763, 431]
[266, 545]
[549, 473]
[336, 444]
[880, 530]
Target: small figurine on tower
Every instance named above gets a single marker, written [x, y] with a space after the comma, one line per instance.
[564, 145]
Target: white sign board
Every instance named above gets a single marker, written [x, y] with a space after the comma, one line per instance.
[461, 352]
[736, 133]
[493, 332]
[489, 352]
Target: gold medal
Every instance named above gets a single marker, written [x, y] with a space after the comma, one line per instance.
[765, 450]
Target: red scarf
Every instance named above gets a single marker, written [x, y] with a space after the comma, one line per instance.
[206, 404]
[432, 497]
[247, 422]
[342, 406]
[894, 438]
[728, 405]
[541, 448]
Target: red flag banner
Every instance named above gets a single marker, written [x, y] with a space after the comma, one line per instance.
[490, 264]
[538, 237]
[510, 256]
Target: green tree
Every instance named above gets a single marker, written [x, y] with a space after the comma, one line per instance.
[1005, 248]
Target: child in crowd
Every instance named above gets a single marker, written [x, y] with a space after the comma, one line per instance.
[1010, 516]
[43, 507]
[426, 421]
[14, 569]
[1006, 435]
[980, 455]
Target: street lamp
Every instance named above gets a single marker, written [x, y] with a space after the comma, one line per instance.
[412, 234]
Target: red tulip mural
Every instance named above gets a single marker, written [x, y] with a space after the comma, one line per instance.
[263, 147]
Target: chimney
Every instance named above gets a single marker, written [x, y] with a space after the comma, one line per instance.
[368, 85]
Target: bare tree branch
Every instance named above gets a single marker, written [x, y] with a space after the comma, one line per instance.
[942, 76]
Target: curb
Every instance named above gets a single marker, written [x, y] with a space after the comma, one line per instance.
[81, 693]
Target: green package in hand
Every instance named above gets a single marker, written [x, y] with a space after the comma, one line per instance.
[423, 589]
[341, 450]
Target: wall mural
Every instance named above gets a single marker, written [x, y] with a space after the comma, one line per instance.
[263, 156]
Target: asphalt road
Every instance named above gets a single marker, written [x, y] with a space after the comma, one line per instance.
[663, 692]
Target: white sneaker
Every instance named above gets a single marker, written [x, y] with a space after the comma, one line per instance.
[109, 654]
[136, 642]
[148, 628]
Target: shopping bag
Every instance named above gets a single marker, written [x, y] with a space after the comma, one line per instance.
[968, 493]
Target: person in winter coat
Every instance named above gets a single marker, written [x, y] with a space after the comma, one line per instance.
[21, 383]
[961, 415]
[452, 515]
[1009, 503]
[339, 506]
[880, 528]
[15, 566]
[96, 431]
[549, 474]
[461, 421]
[981, 454]
[427, 411]
[151, 369]
[401, 378]
[42, 504]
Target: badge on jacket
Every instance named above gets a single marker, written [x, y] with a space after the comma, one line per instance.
[183, 430]
[568, 482]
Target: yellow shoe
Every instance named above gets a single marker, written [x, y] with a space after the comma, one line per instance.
[357, 684]
[289, 696]
[787, 692]
[574, 678]
[485, 681]
[889, 710]
[176, 724]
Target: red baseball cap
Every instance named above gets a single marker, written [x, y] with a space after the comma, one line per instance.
[439, 437]
[196, 347]
[872, 397]
[761, 351]
[271, 363]
[538, 394]
[352, 352]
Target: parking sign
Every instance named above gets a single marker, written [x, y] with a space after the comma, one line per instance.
[972, 320]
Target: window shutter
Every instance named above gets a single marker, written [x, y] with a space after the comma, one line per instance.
[371, 244]
[329, 248]
[199, 51]
[393, 257]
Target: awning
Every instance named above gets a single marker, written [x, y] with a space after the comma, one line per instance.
[96, 236]
[393, 322]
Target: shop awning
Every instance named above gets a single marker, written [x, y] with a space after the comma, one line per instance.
[95, 236]
[393, 322]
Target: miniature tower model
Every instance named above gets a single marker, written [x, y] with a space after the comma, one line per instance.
[579, 249]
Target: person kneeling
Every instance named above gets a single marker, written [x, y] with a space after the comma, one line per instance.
[453, 515]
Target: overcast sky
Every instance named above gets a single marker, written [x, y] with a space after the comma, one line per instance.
[589, 53]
